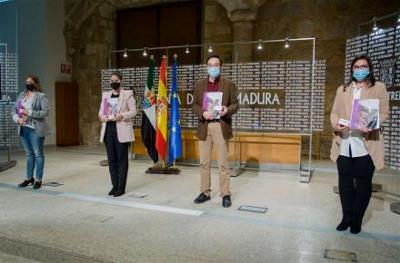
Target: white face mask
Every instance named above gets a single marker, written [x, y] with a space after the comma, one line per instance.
[213, 71]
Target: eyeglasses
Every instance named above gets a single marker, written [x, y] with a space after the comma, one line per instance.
[361, 67]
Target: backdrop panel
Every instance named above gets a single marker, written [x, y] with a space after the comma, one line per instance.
[274, 96]
[9, 91]
[383, 47]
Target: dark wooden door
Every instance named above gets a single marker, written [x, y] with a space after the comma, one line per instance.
[67, 123]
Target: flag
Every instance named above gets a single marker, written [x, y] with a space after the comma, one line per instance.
[175, 136]
[162, 111]
[148, 129]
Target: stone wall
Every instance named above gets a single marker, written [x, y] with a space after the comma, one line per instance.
[88, 46]
[216, 29]
[331, 22]
[90, 34]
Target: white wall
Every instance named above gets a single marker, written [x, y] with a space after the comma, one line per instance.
[56, 55]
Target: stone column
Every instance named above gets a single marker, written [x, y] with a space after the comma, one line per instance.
[89, 35]
[242, 26]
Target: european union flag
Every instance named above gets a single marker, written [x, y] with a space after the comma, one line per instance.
[175, 136]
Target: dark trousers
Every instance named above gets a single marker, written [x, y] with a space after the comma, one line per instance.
[355, 184]
[117, 154]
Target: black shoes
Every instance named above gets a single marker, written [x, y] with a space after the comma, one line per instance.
[37, 185]
[226, 201]
[25, 183]
[354, 224]
[113, 190]
[346, 223]
[201, 198]
[118, 193]
[355, 227]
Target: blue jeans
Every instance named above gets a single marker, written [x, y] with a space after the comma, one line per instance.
[33, 146]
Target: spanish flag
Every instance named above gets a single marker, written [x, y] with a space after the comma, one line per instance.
[162, 111]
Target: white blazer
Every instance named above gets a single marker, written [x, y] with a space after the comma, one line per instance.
[127, 107]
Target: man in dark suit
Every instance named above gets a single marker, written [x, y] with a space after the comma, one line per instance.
[214, 128]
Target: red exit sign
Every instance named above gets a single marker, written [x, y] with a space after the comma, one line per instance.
[66, 68]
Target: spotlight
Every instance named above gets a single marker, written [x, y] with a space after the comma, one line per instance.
[375, 26]
[398, 18]
[210, 49]
[286, 43]
[125, 55]
[259, 46]
[144, 52]
[187, 51]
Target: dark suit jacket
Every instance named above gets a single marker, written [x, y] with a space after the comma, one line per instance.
[229, 99]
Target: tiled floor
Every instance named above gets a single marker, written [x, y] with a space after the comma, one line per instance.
[78, 222]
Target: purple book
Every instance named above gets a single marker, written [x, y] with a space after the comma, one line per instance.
[365, 114]
[212, 102]
[20, 109]
[106, 107]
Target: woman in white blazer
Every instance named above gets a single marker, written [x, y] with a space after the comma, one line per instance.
[117, 109]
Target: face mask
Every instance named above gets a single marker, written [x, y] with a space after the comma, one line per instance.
[360, 74]
[29, 87]
[115, 85]
[213, 71]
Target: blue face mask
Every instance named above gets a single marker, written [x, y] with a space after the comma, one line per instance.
[213, 71]
[360, 74]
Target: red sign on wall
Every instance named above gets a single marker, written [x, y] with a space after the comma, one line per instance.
[66, 68]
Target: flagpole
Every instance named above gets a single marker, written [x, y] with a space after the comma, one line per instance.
[173, 102]
[166, 86]
[152, 90]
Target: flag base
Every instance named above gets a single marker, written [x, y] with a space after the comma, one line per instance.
[163, 170]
